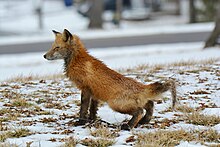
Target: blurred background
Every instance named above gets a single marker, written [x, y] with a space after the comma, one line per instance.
[117, 25]
[35, 16]
[38, 17]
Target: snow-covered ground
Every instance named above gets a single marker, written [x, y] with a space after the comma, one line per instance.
[47, 108]
[198, 82]
[59, 97]
[116, 58]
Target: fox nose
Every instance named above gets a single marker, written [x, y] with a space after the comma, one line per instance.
[45, 56]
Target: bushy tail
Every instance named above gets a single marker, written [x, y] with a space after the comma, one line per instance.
[161, 87]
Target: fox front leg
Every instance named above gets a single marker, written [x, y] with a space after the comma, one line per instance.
[136, 117]
[85, 101]
[93, 109]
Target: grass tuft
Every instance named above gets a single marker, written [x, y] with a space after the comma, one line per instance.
[16, 133]
[172, 138]
[23, 79]
[21, 102]
[11, 94]
[21, 132]
[201, 119]
[5, 144]
[163, 138]
[184, 109]
[209, 135]
[104, 132]
[100, 142]
[70, 142]
[7, 114]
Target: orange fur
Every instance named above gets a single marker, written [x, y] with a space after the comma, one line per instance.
[123, 94]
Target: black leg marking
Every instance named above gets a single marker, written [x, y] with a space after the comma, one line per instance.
[138, 114]
[149, 106]
[93, 109]
[85, 101]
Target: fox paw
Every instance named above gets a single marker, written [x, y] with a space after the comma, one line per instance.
[80, 122]
[125, 127]
[144, 121]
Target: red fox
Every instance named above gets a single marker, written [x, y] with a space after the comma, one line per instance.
[97, 83]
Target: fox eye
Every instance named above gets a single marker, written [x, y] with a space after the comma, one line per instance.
[56, 47]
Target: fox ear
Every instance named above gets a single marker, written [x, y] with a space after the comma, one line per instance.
[55, 32]
[66, 35]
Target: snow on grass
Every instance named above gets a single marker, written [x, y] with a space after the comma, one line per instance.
[116, 58]
[49, 107]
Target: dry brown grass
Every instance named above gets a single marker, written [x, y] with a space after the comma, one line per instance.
[172, 138]
[184, 109]
[38, 111]
[209, 135]
[48, 120]
[202, 119]
[156, 67]
[5, 144]
[215, 145]
[99, 142]
[20, 132]
[11, 113]
[11, 94]
[4, 111]
[15, 133]
[163, 138]
[193, 62]
[7, 114]
[55, 105]
[70, 142]
[21, 102]
[104, 137]
[104, 132]
[23, 79]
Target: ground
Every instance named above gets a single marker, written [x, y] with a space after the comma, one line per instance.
[39, 111]
[39, 105]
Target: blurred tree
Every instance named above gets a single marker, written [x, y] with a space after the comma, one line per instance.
[207, 11]
[212, 40]
[192, 13]
[177, 7]
[95, 14]
[38, 9]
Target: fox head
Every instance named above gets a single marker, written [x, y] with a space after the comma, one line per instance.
[63, 46]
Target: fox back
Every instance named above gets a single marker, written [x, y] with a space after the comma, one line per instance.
[98, 82]
[88, 72]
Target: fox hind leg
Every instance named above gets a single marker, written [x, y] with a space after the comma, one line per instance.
[136, 117]
[149, 106]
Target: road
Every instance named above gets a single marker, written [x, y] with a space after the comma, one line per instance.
[111, 42]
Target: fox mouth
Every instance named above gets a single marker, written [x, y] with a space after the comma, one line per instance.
[47, 57]
[55, 56]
